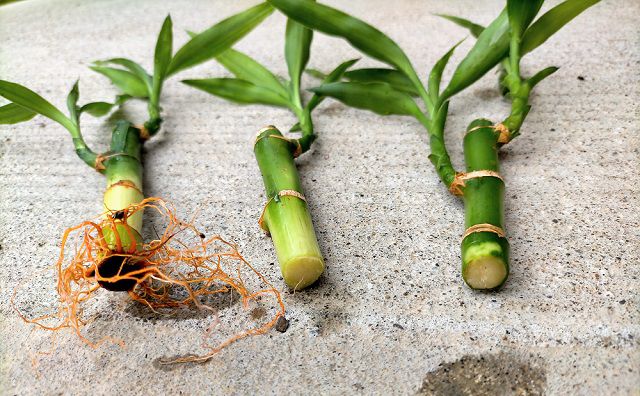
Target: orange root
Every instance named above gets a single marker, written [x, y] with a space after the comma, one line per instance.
[180, 268]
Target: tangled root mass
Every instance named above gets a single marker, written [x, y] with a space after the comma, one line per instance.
[180, 258]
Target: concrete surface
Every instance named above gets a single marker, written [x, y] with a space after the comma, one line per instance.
[391, 315]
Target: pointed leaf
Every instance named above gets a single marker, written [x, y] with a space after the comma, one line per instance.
[552, 21]
[380, 98]
[315, 73]
[436, 73]
[133, 67]
[13, 114]
[162, 56]
[541, 75]
[335, 75]
[72, 102]
[492, 45]
[126, 81]
[360, 34]
[296, 50]
[521, 13]
[474, 28]
[96, 109]
[238, 91]
[395, 78]
[26, 98]
[218, 38]
[246, 68]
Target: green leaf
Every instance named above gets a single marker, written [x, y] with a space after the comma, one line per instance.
[380, 98]
[97, 109]
[133, 67]
[395, 78]
[552, 21]
[541, 75]
[521, 13]
[28, 99]
[335, 75]
[360, 34]
[126, 81]
[296, 51]
[474, 28]
[492, 45]
[316, 74]
[246, 68]
[162, 56]
[239, 91]
[436, 73]
[13, 114]
[218, 38]
[72, 103]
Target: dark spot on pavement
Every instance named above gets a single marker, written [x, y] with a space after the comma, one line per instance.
[498, 374]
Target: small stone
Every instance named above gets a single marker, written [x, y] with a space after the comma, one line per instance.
[282, 324]
[581, 78]
[622, 302]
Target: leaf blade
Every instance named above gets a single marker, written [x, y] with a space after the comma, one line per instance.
[14, 114]
[162, 56]
[218, 38]
[246, 68]
[127, 82]
[435, 76]
[474, 28]
[358, 33]
[552, 21]
[491, 47]
[395, 78]
[297, 51]
[239, 91]
[521, 13]
[28, 99]
[380, 98]
[541, 75]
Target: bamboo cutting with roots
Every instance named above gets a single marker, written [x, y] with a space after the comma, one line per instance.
[181, 266]
[503, 43]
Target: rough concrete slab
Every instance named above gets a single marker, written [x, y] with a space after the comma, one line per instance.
[391, 315]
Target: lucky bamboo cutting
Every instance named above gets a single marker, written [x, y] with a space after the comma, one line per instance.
[485, 249]
[286, 215]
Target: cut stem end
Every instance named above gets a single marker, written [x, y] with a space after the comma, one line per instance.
[485, 273]
[300, 272]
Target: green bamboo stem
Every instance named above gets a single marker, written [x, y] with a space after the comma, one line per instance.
[485, 255]
[286, 217]
[123, 169]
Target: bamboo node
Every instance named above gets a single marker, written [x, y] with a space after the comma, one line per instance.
[144, 133]
[283, 193]
[504, 135]
[99, 164]
[298, 149]
[484, 227]
[457, 185]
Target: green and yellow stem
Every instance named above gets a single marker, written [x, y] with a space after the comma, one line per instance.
[485, 254]
[286, 215]
[123, 169]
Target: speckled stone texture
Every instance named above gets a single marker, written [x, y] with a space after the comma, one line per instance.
[391, 315]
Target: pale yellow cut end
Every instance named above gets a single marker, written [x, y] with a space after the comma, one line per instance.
[303, 271]
[485, 272]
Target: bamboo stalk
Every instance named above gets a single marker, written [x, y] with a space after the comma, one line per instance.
[485, 254]
[286, 216]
